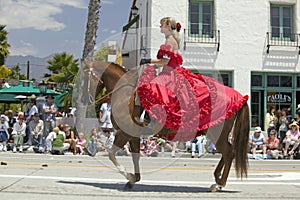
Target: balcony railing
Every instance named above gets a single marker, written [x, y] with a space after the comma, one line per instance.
[200, 36]
[283, 39]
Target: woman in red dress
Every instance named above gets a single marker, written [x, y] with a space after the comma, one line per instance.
[179, 99]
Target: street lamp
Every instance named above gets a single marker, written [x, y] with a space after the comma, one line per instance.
[134, 11]
[42, 87]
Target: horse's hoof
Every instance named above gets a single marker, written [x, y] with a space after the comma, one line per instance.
[131, 177]
[214, 188]
[129, 185]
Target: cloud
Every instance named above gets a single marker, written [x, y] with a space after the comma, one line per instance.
[24, 49]
[107, 2]
[36, 14]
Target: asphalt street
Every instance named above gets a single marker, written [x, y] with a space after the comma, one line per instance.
[37, 176]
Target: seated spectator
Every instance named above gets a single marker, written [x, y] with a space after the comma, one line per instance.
[50, 138]
[18, 134]
[11, 120]
[292, 138]
[257, 142]
[58, 144]
[93, 142]
[36, 128]
[108, 143]
[4, 135]
[200, 142]
[272, 144]
[165, 143]
[70, 138]
[149, 147]
[80, 142]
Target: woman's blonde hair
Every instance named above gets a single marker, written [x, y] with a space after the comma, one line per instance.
[174, 26]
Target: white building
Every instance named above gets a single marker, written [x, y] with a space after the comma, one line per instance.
[253, 45]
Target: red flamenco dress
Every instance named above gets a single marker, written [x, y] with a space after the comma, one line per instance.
[185, 102]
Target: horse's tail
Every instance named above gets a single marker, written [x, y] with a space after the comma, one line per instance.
[240, 141]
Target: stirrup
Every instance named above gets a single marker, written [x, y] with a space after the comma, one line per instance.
[145, 117]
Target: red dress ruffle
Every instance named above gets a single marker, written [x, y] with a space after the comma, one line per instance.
[183, 101]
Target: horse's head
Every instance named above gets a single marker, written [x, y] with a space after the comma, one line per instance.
[91, 81]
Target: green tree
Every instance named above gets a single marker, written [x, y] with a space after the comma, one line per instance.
[64, 70]
[4, 72]
[16, 73]
[60, 61]
[4, 45]
[101, 54]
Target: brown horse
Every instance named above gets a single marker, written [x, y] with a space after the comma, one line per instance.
[121, 84]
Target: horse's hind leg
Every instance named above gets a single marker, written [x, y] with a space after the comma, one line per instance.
[226, 150]
[218, 170]
[227, 157]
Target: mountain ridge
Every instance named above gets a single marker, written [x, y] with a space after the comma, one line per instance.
[37, 65]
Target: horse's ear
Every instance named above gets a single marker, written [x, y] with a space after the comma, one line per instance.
[87, 64]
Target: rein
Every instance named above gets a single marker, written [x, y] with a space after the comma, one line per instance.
[92, 72]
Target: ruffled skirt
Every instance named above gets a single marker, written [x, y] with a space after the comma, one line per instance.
[186, 102]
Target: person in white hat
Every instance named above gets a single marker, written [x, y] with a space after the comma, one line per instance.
[292, 138]
[258, 141]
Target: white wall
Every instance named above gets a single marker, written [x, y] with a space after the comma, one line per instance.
[243, 26]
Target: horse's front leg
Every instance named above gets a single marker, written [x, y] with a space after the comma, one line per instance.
[135, 151]
[112, 157]
[119, 142]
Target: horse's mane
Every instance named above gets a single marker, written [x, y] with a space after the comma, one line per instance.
[123, 68]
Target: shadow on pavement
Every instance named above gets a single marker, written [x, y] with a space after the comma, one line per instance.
[146, 188]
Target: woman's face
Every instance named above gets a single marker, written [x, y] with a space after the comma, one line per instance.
[164, 28]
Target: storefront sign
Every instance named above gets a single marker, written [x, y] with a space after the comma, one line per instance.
[279, 98]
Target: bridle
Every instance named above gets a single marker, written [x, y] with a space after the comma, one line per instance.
[93, 74]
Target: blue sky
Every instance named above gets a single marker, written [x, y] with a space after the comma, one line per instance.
[44, 27]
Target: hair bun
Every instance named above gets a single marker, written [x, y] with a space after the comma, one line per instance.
[178, 26]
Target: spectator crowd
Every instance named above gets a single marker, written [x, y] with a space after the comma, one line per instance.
[281, 137]
[36, 130]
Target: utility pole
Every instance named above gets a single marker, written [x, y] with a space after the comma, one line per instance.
[28, 69]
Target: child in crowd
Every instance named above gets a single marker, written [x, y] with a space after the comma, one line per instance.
[4, 136]
[93, 143]
[80, 142]
[50, 138]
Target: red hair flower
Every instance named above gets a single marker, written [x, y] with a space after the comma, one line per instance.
[178, 26]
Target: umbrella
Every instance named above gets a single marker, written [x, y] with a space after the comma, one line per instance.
[26, 88]
[9, 98]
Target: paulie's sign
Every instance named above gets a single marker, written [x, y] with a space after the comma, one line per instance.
[279, 98]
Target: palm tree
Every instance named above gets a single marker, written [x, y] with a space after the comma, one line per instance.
[89, 45]
[61, 62]
[64, 70]
[91, 28]
[4, 45]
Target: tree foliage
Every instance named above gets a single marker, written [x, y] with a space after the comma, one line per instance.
[4, 45]
[4, 72]
[101, 54]
[64, 70]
